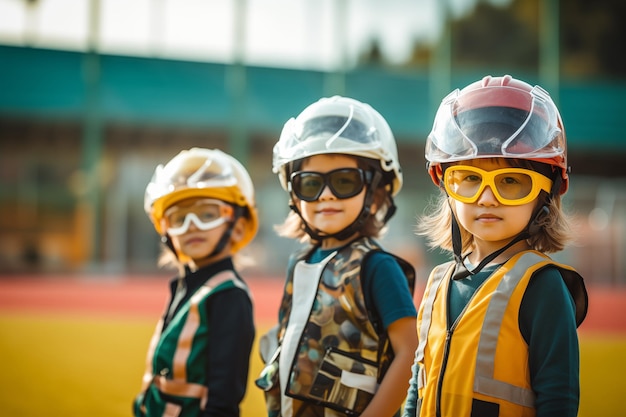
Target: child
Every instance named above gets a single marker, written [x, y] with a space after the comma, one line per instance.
[497, 326]
[345, 328]
[202, 204]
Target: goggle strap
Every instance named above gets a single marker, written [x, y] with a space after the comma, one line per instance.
[167, 241]
[456, 237]
[534, 226]
[462, 272]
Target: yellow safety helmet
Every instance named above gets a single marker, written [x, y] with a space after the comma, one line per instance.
[200, 172]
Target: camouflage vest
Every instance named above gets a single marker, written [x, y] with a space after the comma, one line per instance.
[343, 351]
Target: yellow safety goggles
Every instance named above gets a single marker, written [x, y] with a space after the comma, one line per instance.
[511, 186]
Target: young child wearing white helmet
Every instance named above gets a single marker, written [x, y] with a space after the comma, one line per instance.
[345, 336]
[202, 205]
[497, 326]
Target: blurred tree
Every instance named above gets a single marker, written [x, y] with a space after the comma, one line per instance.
[591, 35]
[497, 36]
[372, 55]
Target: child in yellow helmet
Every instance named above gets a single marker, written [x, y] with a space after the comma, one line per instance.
[202, 205]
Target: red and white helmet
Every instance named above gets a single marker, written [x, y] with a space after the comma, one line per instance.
[199, 172]
[498, 117]
[337, 125]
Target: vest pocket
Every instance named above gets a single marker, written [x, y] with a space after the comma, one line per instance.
[482, 408]
[344, 381]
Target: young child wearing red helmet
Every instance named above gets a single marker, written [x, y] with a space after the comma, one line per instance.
[497, 326]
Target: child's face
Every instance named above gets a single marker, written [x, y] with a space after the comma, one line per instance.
[330, 214]
[196, 225]
[491, 222]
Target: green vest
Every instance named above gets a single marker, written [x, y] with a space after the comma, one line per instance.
[174, 383]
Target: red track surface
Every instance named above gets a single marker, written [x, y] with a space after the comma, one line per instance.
[144, 297]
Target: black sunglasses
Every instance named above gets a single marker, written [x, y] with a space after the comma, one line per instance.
[343, 183]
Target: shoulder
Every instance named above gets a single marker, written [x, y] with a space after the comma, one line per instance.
[378, 260]
[547, 294]
[227, 283]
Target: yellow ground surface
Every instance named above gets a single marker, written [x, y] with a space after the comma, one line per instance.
[64, 366]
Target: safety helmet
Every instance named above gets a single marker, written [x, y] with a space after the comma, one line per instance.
[498, 117]
[199, 172]
[337, 125]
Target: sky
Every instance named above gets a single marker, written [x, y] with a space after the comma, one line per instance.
[310, 34]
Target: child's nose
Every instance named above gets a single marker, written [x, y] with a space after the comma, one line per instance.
[487, 197]
[326, 193]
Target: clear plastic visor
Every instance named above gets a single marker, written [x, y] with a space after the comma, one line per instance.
[190, 171]
[508, 123]
[306, 136]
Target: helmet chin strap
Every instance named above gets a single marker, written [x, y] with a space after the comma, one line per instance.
[357, 224]
[461, 270]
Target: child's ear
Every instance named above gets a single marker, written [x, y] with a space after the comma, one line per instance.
[439, 175]
[239, 230]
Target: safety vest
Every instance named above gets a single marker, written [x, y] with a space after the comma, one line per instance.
[480, 366]
[174, 383]
[341, 353]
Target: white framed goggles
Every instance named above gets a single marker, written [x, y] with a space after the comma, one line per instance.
[206, 214]
[510, 186]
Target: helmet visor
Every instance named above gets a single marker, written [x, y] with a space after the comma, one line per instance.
[496, 122]
[306, 136]
[190, 170]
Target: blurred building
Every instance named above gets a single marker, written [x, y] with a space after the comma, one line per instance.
[76, 155]
[82, 130]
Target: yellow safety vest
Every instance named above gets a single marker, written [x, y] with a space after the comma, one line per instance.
[485, 357]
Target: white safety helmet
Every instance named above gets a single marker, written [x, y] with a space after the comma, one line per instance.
[199, 172]
[337, 125]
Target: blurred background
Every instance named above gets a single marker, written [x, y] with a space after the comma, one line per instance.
[94, 94]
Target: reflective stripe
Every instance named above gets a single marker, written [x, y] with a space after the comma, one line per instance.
[427, 307]
[147, 376]
[306, 279]
[486, 355]
[181, 388]
[171, 410]
[185, 340]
